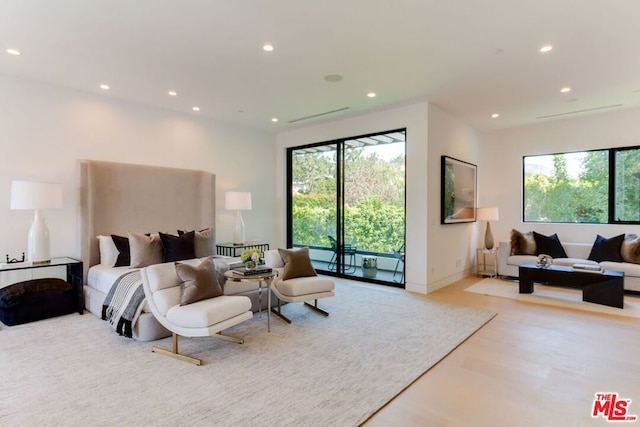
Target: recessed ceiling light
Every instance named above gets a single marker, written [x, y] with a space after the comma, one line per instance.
[546, 48]
[565, 89]
[371, 94]
[333, 78]
[172, 93]
[105, 86]
[274, 120]
[495, 115]
[196, 108]
[13, 52]
[267, 47]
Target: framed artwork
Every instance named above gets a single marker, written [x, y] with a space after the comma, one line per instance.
[458, 191]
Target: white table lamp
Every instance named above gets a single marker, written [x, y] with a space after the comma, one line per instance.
[37, 196]
[488, 214]
[238, 201]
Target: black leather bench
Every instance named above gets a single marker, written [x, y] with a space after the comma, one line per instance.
[36, 300]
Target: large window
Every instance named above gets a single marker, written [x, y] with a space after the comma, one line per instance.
[599, 186]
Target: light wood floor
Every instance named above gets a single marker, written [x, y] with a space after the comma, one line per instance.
[532, 365]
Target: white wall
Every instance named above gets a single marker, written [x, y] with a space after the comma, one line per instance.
[501, 176]
[46, 129]
[451, 247]
[430, 247]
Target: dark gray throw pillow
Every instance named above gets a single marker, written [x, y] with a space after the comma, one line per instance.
[549, 245]
[204, 244]
[178, 248]
[124, 251]
[604, 249]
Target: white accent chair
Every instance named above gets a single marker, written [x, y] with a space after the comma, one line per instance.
[207, 317]
[299, 289]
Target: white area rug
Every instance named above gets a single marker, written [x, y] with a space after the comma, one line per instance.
[551, 295]
[318, 371]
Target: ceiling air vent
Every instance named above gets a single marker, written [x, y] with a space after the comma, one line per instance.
[579, 111]
[318, 115]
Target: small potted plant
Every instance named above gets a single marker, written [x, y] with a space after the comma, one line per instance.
[251, 257]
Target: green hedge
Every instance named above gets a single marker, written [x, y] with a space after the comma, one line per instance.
[370, 224]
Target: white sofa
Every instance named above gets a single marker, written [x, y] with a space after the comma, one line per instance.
[577, 253]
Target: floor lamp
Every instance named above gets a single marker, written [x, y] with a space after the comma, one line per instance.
[37, 196]
[238, 201]
[488, 214]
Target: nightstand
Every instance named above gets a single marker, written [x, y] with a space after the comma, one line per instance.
[30, 292]
[487, 262]
[235, 250]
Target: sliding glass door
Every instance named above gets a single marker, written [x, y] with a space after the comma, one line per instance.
[347, 204]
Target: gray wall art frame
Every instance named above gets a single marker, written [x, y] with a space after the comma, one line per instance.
[458, 191]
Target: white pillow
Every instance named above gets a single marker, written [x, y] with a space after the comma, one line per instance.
[108, 251]
[273, 259]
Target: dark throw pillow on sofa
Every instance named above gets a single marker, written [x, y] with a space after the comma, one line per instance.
[549, 245]
[606, 249]
[522, 243]
[178, 248]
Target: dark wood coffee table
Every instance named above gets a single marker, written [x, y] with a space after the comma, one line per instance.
[605, 288]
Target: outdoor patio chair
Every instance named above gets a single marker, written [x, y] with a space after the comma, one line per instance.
[349, 252]
[399, 254]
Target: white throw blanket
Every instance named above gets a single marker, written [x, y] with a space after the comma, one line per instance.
[124, 302]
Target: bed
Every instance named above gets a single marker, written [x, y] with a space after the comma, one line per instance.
[116, 198]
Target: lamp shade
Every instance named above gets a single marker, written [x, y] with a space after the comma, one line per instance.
[36, 195]
[237, 201]
[488, 214]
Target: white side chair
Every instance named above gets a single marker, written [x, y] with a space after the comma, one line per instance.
[298, 289]
[207, 317]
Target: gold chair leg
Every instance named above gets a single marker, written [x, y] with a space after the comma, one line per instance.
[174, 352]
[229, 338]
[316, 308]
[176, 355]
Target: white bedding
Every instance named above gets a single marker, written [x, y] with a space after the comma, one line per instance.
[102, 277]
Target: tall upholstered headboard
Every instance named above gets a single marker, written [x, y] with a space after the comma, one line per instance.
[118, 197]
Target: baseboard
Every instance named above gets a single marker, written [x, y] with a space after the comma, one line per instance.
[419, 289]
[434, 286]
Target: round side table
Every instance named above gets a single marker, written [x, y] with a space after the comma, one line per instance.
[258, 277]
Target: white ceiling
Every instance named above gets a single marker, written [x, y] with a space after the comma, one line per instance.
[470, 57]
